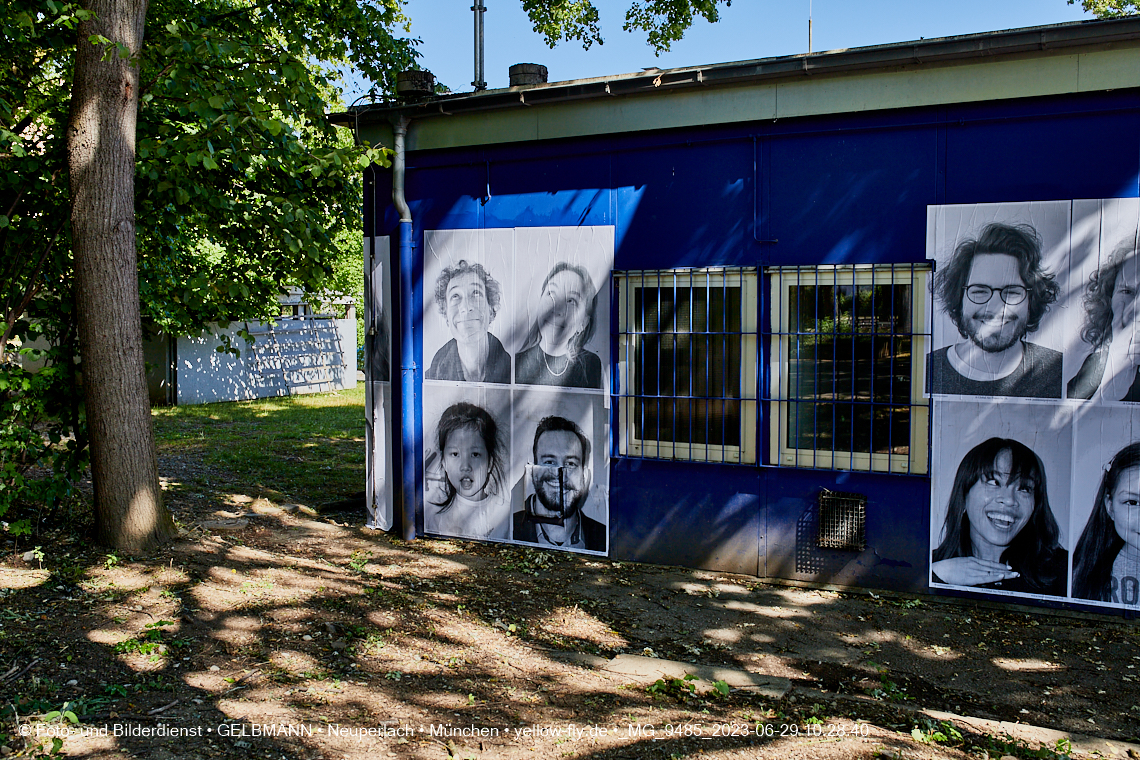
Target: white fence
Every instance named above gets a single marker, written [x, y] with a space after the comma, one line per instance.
[304, 354]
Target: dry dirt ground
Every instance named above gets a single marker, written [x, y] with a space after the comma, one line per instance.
[298, 635]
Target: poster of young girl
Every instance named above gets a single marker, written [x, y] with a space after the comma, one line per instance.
[467, 440]
[1106, 507]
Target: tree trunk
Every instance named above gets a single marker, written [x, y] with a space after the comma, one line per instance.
[129, 513]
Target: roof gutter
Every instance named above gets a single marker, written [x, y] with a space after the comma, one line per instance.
[942, 50]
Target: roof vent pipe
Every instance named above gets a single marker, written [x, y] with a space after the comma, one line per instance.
[528, 73]
[479, 9]
[414, 84]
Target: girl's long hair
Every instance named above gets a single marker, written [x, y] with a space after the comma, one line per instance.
[1033, 550]
[461, 415]
[1100, 543]
[589, 297]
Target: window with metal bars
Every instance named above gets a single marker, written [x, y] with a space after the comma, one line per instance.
[688, 364]
[848, 369]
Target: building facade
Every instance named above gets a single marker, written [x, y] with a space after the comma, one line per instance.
[720, 291]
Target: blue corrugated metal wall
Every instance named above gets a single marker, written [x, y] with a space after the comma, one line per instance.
[839, 189]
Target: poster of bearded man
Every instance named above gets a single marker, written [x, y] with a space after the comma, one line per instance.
[1001, 283]
[561, 495]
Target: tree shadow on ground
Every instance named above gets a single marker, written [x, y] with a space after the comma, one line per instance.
[303, 623]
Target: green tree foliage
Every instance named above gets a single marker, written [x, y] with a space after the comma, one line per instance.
[242, 187]
[1109, 8]
[40, 413]
[663, 21]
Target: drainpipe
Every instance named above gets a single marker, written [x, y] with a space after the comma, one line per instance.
[407, 347]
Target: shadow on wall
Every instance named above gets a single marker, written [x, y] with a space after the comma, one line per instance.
[658, 516]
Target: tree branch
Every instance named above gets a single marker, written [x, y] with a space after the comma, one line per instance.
[33, 288]
[151, 83]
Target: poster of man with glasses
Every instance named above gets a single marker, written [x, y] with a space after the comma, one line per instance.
[998, 280]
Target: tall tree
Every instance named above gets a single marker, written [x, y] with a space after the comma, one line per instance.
[129, 513]
[240, 185]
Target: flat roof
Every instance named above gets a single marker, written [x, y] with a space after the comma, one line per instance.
[878, 76]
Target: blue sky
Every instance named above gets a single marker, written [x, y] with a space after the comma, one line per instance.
[748, 29]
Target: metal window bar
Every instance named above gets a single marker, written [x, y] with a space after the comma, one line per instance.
[689, 357]
[844, 387]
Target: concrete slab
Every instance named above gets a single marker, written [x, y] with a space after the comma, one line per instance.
[225, 526]
[580, 658]
[1036, 735]
[649, 669]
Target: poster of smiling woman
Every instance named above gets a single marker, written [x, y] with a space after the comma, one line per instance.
[1106, 507]
[562, 328]
[1000, 498]
[1106, 267]
[510, 316]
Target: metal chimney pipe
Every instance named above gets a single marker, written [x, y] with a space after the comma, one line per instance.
[809, 27]
[479, 9]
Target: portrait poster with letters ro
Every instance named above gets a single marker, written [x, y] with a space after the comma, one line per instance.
[1034, 381]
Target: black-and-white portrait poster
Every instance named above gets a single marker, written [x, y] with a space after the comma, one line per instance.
[1104, 343]
[467, 446]
[504, 311]
[563, 319]
[561, 466]
[1106, 506]
[1000, 497]
[1035, 379]
[378, 386]
[468, 298]
[1000, 287]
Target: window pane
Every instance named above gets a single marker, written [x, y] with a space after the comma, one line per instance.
[687, 354]
[850, 368]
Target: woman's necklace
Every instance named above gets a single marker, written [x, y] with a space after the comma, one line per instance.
[546, 358]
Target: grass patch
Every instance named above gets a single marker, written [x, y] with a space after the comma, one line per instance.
[309, 448]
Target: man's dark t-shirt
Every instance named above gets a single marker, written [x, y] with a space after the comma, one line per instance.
[1038, 376]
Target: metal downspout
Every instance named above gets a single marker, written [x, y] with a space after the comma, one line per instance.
[407, 347]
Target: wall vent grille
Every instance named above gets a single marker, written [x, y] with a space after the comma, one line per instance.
[842, 521]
